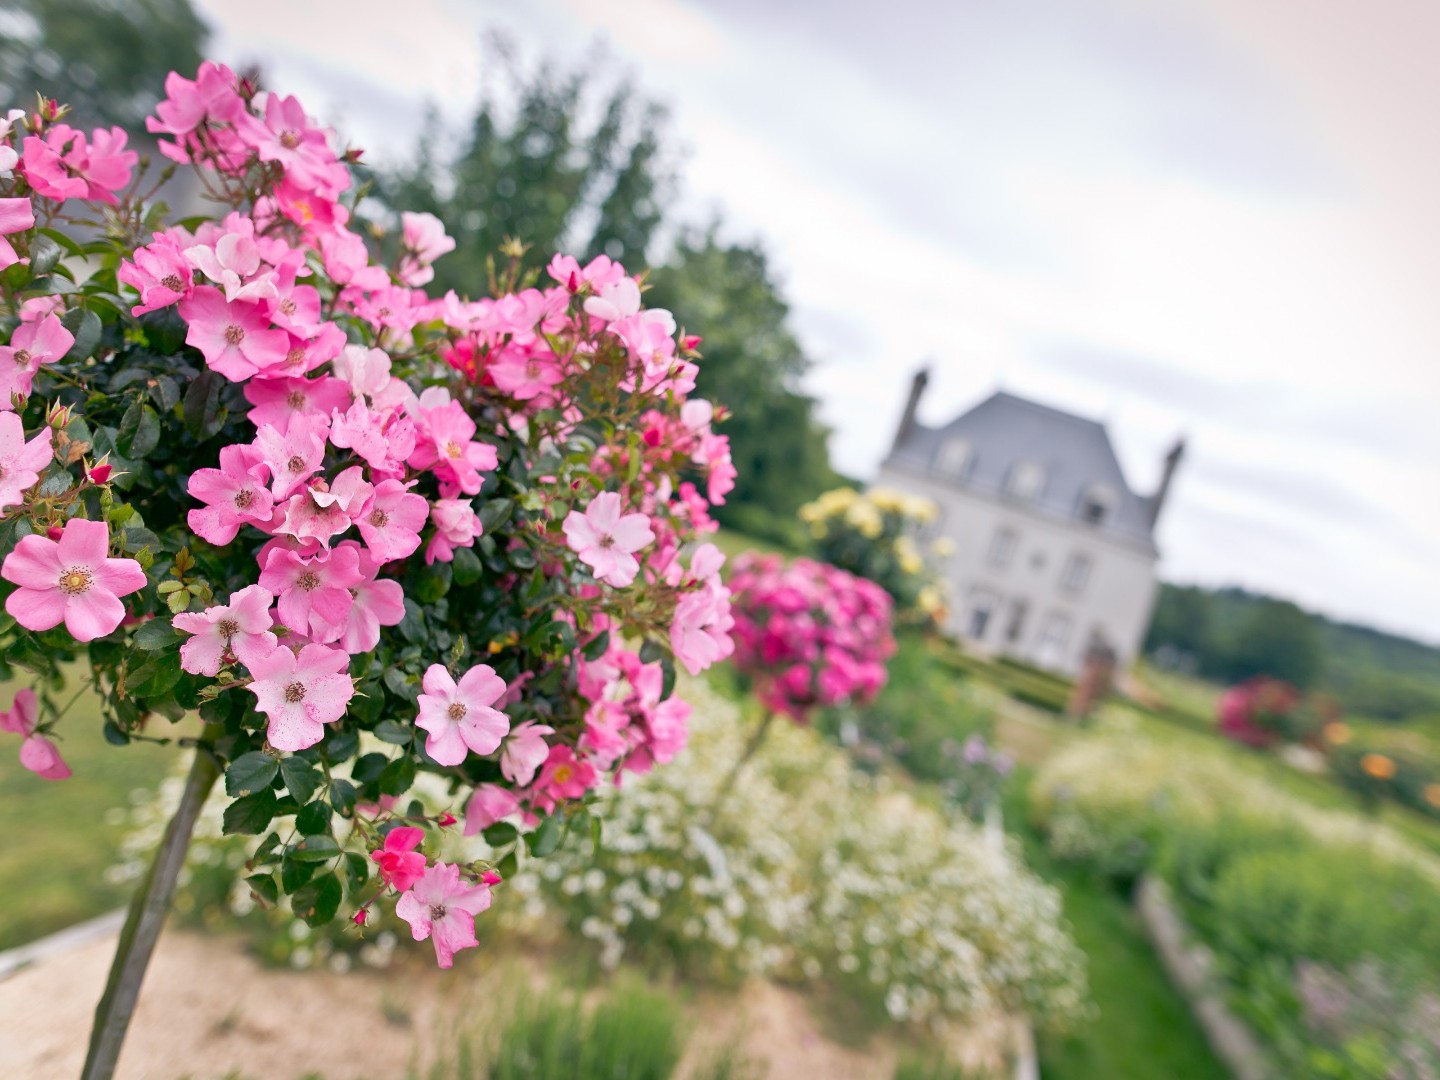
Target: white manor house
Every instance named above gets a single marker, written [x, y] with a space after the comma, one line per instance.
[1053, 553]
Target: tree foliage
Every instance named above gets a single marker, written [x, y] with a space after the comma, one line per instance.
[569, 162]
[106, 58]
[753, 363]
[555, 161]
[1228, 634]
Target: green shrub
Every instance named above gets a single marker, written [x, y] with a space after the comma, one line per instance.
[632, 1034]
[924, 713]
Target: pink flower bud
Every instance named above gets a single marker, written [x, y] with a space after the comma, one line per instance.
[360, 917]
[54, 532]
[446, 820]
[490, 877]
[99, 474]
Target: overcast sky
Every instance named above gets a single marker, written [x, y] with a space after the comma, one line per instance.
[1209, 217]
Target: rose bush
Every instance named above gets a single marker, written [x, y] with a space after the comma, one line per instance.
[250, 469]
[808, 635]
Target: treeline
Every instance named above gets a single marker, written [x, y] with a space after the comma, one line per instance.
[1231, 634]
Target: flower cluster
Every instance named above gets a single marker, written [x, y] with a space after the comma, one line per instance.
[808, 634]
[257, 471]
[878, 535]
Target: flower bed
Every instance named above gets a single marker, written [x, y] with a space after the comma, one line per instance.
[1284, 893]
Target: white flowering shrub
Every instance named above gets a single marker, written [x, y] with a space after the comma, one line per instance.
[811, 871]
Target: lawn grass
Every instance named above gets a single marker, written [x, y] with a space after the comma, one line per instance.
[60, 836]
[1143, 1029]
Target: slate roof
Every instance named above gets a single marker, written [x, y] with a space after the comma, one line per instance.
[1004, 431]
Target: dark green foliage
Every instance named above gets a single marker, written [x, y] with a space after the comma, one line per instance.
[1229, 634]
[753, 364]
[106, 58]
[531, 168]
[1278, 640]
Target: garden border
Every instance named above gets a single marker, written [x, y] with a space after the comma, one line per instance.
[1191, 967]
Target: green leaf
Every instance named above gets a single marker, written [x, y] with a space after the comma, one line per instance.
[44, 254]
[313, 818]
[357, 870]
[495, 513]
[398, 776]
[398, 682]
[434, 582]
[203, 413]
[114, 735]
[139, 431]
[294, 874]
[596, 646]
[368, 767]
[264, 887]
[249, 815]
[466, 566]
[155, 635]
[501, 833]
[342, 795]
[318, 901]
[341, 746]
[393, 732]
[85, 325]
[650, 651]
[250, 773]
[165, 393]
[315, 848]
[547, 838]
[165, 673]
[300, 778]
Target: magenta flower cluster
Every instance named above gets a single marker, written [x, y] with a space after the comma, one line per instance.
[809, 635]
[380, 424]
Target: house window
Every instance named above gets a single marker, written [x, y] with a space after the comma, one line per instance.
[954, 457]
[1054, 635]
[1026, 480]
[1095, 505]
[1002, 548]
[982, 605]
[1076, 573]
[1016, 626]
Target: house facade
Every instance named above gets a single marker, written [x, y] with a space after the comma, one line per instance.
[1053, 554]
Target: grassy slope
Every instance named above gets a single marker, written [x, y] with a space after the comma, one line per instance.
[58, 842]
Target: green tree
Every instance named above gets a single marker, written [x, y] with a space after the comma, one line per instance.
[1183, 621]
[531, 167]
[752, 364]
[1279, 640]
[107, 58]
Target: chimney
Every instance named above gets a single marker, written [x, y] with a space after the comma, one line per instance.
[1172, 462]
[907, 420]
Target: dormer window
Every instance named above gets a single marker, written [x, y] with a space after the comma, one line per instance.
[1096, 505]
[954, 457]
[1026, 480]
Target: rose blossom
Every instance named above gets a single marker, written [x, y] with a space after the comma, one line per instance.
[458, 716]
[71, 581]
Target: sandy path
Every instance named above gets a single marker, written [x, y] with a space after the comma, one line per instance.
[208, 1010]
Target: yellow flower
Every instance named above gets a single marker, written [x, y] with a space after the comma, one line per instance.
[1379, 766]
[943, 547]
